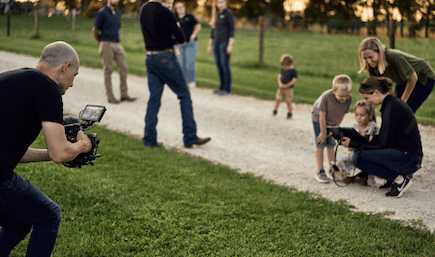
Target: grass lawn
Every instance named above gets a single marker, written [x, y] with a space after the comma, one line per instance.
[318, 58]
[138, 201]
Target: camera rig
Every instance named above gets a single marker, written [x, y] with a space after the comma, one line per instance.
[87, 118]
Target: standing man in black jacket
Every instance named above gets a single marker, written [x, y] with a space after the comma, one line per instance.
[158, 26]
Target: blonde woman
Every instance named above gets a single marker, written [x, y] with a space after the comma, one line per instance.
[222, 43]
[413, 76]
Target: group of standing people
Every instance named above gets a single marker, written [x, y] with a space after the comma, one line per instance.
[172, 46]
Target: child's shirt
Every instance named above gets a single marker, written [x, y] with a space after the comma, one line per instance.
[288, 75]
[371, 129]
[333, 108]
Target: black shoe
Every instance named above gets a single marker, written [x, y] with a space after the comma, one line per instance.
[275, 112]
[222, 92]
[159, 144]
[387, 184]
[398, 189]
[200, 141]
[289, 115]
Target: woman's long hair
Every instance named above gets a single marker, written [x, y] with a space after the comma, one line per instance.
[375, 45]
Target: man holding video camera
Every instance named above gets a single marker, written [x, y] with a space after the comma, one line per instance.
[30, 99]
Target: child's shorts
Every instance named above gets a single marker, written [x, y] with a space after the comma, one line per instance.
[287, 93]
[329, 142]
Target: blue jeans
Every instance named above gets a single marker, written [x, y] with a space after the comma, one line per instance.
[419, 94]
[329, 142]
[23, 206]
[386, 163]
[161, 69]
[187, 60]
[222, 60]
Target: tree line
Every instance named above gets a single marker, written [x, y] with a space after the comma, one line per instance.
[421, 11]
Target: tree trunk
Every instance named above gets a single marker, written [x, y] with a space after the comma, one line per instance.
[392, 33]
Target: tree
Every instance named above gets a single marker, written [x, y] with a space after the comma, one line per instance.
[255, 9]
[324, 9]
[426, 8]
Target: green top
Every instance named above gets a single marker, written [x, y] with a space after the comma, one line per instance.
[402, 65]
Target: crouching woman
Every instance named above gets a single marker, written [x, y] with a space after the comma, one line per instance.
[396, 153]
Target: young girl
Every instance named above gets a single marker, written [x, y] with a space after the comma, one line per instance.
[365, 117]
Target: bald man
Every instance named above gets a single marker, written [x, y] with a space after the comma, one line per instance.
[31, 100]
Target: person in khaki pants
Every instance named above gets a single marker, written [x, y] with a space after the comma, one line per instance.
[106, 32]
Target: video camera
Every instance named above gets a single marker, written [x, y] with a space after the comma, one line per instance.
[87, 117]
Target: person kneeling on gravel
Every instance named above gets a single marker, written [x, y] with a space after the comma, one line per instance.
[396, 153]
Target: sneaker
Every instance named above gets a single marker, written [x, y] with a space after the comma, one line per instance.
[275, 112]
[387, 184]
[289, 115]
[398, 189]
[321, 176]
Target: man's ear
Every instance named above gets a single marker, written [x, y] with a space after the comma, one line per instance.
[66, 66]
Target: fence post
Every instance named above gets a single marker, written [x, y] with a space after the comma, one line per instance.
[261, 22]
[36, 24]
[8, 25]
[74, 23]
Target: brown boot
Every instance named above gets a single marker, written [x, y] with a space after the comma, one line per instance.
[113, 100]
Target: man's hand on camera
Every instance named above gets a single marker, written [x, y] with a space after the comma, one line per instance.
[84, 140]
[345, 141]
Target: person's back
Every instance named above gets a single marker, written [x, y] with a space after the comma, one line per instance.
[158, 24]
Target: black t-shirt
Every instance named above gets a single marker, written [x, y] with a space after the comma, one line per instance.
[158, 25]
[27, 97]
[188, 23]
[288, 75]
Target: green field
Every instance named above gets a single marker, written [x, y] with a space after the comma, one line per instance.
[318, 58]
[138, 201]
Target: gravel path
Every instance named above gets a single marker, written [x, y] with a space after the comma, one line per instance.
[246, 137]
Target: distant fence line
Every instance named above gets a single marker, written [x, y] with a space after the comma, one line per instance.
[404, 29]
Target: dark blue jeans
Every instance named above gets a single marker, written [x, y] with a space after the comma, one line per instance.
[386, 163]
[419, 94]
[23, 206]
[161, 69]
[222, 60]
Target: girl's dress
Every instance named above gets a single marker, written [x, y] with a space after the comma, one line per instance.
[345, 164]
